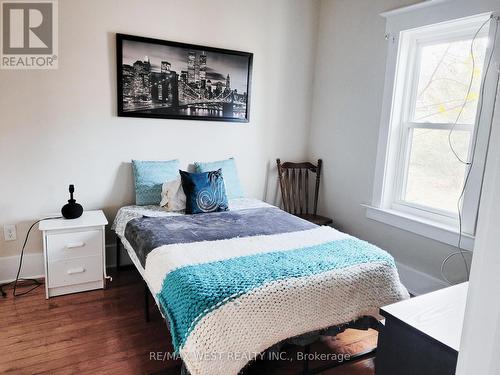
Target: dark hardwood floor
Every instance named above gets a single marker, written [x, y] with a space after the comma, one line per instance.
[104, 332]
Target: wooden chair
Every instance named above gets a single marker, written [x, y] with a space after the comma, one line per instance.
[294, 184]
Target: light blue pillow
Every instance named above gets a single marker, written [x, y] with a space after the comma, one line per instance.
[149, 177]
[229, 172]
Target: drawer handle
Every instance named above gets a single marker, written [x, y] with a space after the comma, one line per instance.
[72, 271]
[75, 245]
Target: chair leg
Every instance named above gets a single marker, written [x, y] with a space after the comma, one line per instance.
[146, 302]
[118, 248]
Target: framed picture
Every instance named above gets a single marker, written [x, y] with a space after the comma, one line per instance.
[162, 79]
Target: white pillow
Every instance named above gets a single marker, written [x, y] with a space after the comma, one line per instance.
[172, 195]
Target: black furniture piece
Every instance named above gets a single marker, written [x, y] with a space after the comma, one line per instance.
[72, 210]
[294, 184]
[422, 335]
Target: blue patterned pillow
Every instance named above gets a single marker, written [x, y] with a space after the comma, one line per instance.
[205, 192]
[149, 177]
[228, 166]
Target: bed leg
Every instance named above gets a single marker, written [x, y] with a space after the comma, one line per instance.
[305, 369]
[118, 248]
[146, 302]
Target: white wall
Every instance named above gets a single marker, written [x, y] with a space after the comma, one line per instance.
[349, 84]
[60, 127]
[480, 342]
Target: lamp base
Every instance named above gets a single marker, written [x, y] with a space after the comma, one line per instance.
[72, 210]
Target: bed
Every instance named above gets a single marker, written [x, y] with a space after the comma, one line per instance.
[234, 284]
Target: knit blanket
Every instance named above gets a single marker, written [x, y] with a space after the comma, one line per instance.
[228, 300]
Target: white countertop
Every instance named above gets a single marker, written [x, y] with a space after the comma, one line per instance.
[88, 219]
[439, 314]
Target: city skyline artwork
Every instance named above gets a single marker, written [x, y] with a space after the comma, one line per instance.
[162, 79]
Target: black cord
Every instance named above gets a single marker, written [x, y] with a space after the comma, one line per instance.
[34, 281]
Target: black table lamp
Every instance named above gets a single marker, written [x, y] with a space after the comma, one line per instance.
[72, 210]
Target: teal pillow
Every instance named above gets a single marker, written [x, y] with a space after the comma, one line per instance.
[204, 191]
[228, 166]
[149, 177]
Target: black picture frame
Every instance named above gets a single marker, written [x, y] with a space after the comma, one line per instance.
[213, 106]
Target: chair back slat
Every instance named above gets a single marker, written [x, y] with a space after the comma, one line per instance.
[299, 189]
[288, 181]
[294, 184]
[306, 185]
[283, 177]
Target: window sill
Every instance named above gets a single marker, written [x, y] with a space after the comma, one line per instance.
[426, 228]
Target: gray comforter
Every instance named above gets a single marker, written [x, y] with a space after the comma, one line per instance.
[147, 233]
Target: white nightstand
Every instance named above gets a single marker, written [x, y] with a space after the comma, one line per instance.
[74, 253]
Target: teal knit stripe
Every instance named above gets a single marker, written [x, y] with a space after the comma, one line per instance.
[190, 292]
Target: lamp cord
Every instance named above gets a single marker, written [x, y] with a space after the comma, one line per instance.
[17, 279]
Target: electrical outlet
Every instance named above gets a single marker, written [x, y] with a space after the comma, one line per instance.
[9, 232]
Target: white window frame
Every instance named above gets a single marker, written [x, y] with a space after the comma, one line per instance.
[403, 29]
[410, 48]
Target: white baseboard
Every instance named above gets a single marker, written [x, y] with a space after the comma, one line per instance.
[418, 282]
[32, 267]
[33, 264]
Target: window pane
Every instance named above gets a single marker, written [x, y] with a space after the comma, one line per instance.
[443, 80]
[435, 176]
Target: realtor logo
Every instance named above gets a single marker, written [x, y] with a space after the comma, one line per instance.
[29, 35]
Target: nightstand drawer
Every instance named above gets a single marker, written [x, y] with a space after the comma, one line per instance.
[74, 245]
[75, 271]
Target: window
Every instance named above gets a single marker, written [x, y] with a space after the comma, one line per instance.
[439, 69]
[433, 124]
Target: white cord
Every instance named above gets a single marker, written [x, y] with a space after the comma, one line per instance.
[462, 251]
